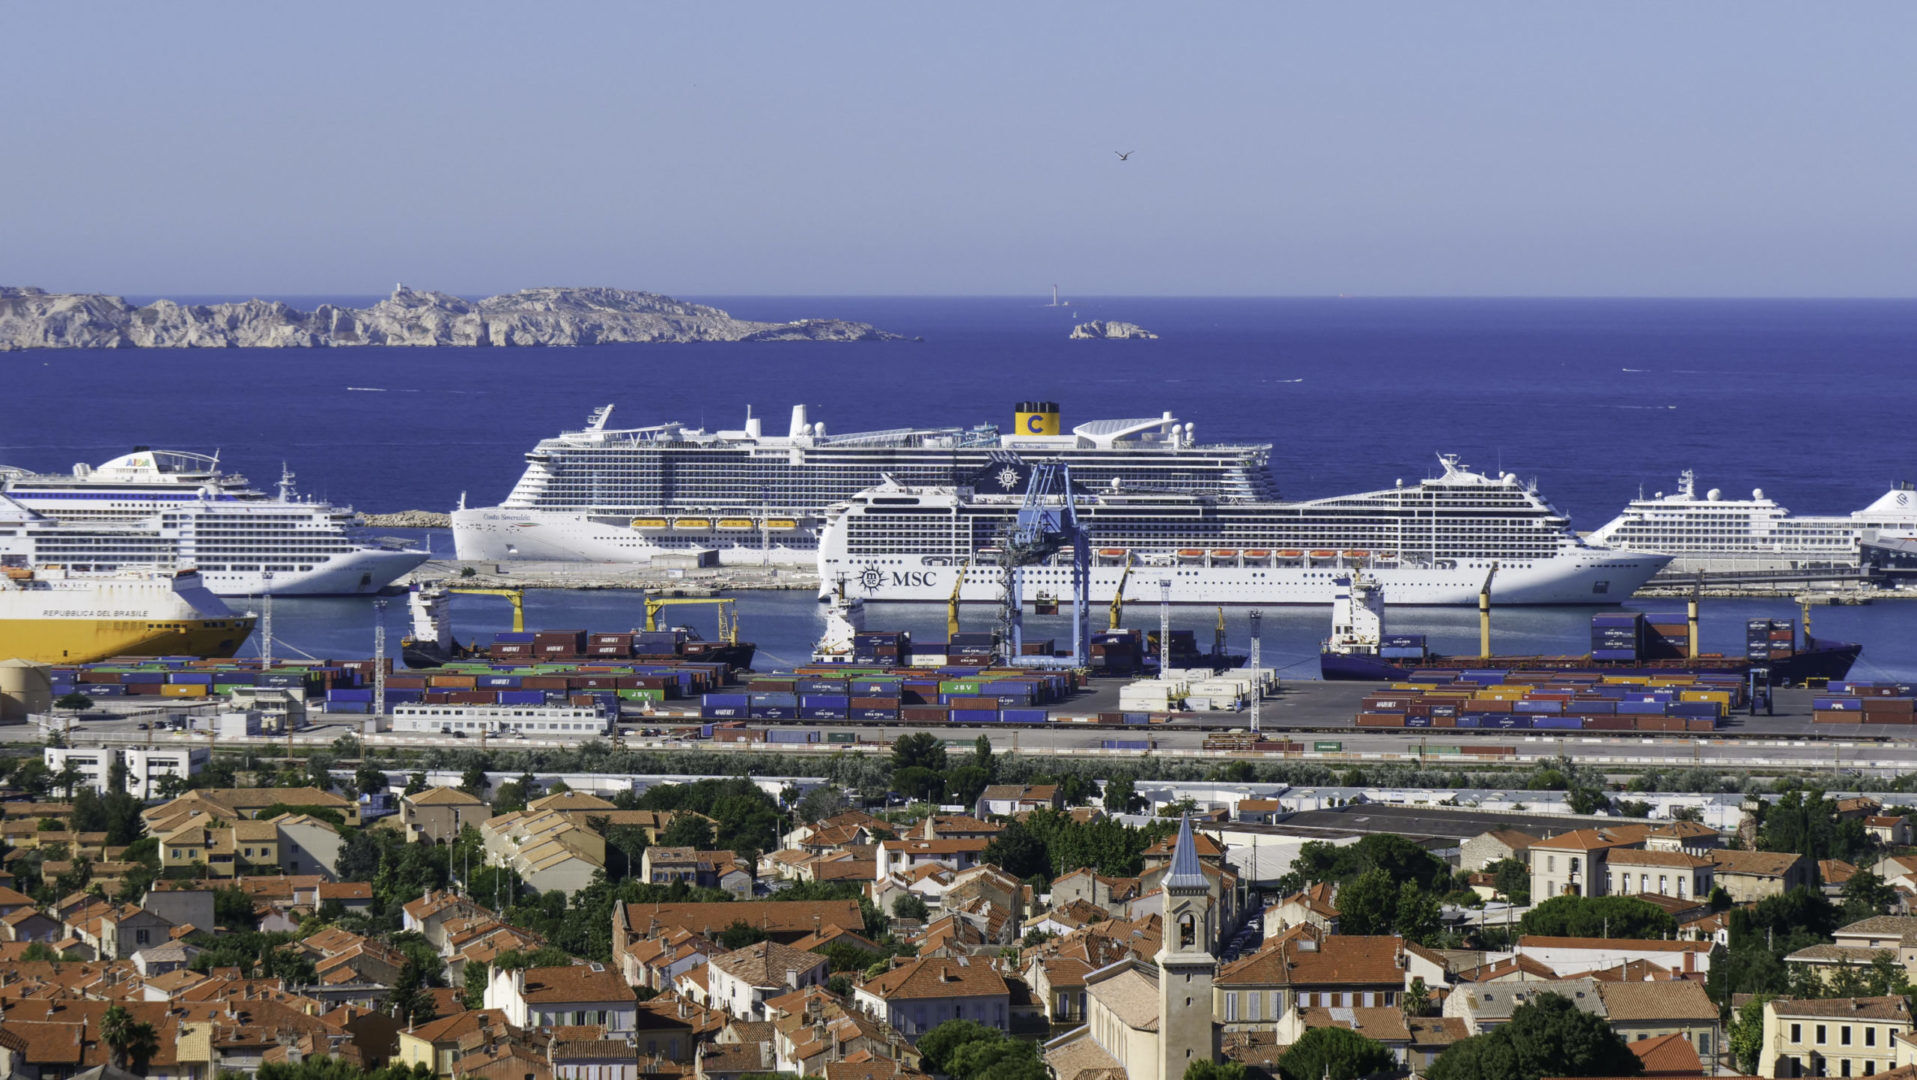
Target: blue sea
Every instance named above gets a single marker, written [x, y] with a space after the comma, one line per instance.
[1597, 399]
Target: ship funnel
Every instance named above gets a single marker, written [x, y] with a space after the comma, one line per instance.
[1036, 418]
[801, 427]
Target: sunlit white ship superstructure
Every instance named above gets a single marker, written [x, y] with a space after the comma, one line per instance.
[607, 495]
[1431, 543]
[1712, 534]
[170, 507]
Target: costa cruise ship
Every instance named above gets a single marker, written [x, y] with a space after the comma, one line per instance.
[1712, 534]
[1431, 542]
[602, 494]
[174, 508]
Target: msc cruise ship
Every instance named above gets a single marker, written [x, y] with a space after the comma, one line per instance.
[1430, 543]
[174, 508]
[604, 494]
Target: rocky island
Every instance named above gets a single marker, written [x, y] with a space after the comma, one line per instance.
[1099, 329]
[36, 319]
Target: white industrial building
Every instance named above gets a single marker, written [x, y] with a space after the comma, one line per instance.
[145, 766]
[542, 721]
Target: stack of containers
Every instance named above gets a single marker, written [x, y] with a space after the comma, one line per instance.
[1617, 635]
[886, 648]
[1117, 652]
[1402, 647]
[973, 649]
[1152, 695]
[1858, 702]
[610, 646]
[1770, 639]
[877, 698]
[559, 644]
[823, 699]
[512, 645]
[1557, 701]
[1667, 636]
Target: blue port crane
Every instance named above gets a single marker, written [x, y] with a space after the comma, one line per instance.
[1047, 524]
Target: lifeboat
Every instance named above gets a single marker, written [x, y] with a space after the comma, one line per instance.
[1257, 553]
[1191, 553]
[1112, 553]
[1224, 553]
[735, 523]
[1291, 553]
[781, 524]
[692, 523]
[649, 523]
[1323, 554]
[1387, 554]
[1357, 554]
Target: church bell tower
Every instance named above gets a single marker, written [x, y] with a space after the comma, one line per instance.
[1186, 966]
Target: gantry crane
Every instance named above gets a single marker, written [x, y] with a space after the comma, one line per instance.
[1047, 524]
[728, 613]
[952, 602]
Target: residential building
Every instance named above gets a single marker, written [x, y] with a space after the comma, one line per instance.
[547, 849]
[897, 856]
[1832, 1036]
[706, 869]
[148, 767]
[91, 763]
[1689, 837]
[740, 981]
[919, 995]
[1591, 954]
[1495, 846]
[1258, 811]
[439, 1044]
[574, 994]
[1313, 906]
[1891, 830]
[784, 921]
[1007, 799]
[1663, 873]
[1574, 863]
[1309, 967]
[538, 721]
[437, 814]
[1750, 876]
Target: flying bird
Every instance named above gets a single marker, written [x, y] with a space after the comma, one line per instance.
[1124, 155]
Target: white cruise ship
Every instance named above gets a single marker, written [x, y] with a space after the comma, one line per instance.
[603, 494]
[173, 508]
[1430, 543]
[1712, 534]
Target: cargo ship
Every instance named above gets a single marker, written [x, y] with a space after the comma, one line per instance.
[604, 494]
[1431, 542]
[431, 643]
[1713, 534]
[172, 507]
[1359, 649]
[58, 616]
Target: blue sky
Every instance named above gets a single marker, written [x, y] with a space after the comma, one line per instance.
[1645, 149]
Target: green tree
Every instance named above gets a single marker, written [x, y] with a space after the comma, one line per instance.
[1512, 879]
[938, 1045]
[233, 909]
[415, 783]
[1215, 1070]
[919, 783]
[1546, 1036]
[472, 979]
[368, 780]
[75, 701]
[908, 906]
[1866, 894]
[741, 934]
[967, 783]
[1598, 916]
[1417, 998]
[472, 780]
[982, 757]
[1335, 1052]
[1368, 904]
[919, 750]
[1121, 796]
[820, 803]
[687, 830]
[409, 1003]
[1745, 1036]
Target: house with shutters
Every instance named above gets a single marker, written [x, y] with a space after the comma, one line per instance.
[1308, 967]
[919, 995]
[575, 994]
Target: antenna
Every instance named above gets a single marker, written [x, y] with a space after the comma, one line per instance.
[1164, 625]
[266, 620]
[1257, 676]
[379, 659]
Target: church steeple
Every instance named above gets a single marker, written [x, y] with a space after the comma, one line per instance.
[1186, 966]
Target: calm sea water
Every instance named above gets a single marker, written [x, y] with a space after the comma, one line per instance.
[1597, 400]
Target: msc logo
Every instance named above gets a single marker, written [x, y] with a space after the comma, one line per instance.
[873, 579]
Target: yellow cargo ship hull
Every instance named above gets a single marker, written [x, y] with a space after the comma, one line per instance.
[83, 641]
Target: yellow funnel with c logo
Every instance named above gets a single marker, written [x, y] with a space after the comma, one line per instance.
[1036, 418]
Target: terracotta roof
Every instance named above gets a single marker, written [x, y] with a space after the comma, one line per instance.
[773, 916]
[937, 977]
[1429, 1031]
[1675, 1000]
[1383, 1023]
[1596, 839]
[1684, 830]
[1880, 926]
[1515, 839]
[575, 982]
[1835, 871]
[1858, 1008]
[1536, 941]
[443, 796]
[1672, 1054]
[1339, 959]
[766, 963]
[1756, 863]
[1673, 859]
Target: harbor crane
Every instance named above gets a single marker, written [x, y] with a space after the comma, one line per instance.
[952, 602]
[515, 596]
[1047, 524]
[1118, 594]
[728, 613]
[1484, 613]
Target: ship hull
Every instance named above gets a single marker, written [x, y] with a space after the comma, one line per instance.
[1588, 577]
[360, 573]
[1826, 660]
[83, 641]
[496, 535]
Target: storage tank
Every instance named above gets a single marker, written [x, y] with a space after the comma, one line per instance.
[1036, 418]
[25, 688]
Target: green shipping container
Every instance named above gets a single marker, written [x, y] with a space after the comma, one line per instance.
[959, 686]
[841, 736]
[1328, 747]
[642, 695]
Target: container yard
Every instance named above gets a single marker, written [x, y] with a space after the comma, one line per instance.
[1555, 701]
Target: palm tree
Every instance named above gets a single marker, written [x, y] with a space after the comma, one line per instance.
[142, 1042]
[115, 1028]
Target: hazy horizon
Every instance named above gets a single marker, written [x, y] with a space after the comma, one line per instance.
[1714, 150]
